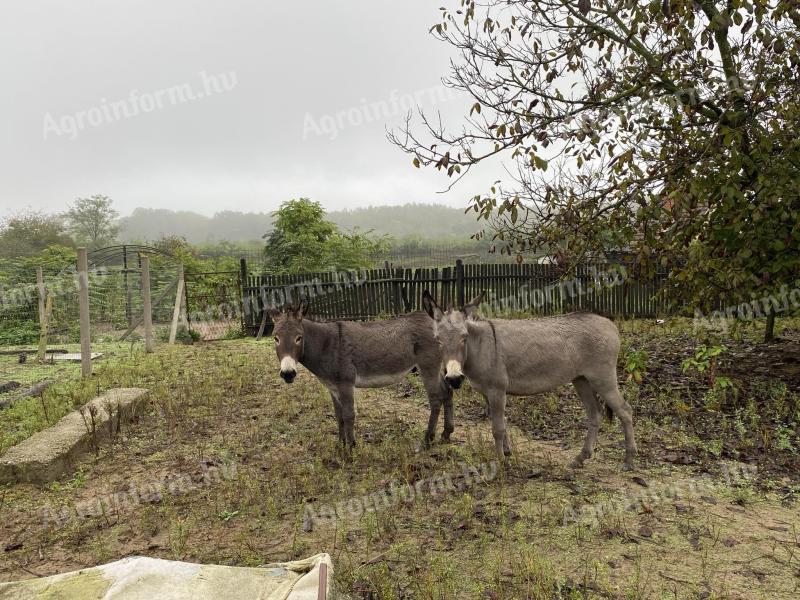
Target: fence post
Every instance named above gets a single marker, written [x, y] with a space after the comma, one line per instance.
[176, 312]
[128, 299]
[460, 300]
[146, 302]
[243, 304]
[42, 317]
[83, 304]
[40, 287]
[42, 350]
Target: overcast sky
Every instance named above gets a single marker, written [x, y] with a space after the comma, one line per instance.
[95, 102]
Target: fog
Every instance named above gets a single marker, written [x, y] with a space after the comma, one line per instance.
[210, 106]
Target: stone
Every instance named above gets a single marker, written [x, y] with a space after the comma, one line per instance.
[48, 454]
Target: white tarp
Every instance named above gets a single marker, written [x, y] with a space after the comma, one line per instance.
[142, 578]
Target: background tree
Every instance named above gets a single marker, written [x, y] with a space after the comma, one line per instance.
[665, 127]
[93, 221]
[30, 233]
[304, 241]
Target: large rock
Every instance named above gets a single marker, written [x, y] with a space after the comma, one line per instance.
[142, 578]
[48, 454]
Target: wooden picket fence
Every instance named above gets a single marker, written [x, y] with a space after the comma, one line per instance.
[605, 288]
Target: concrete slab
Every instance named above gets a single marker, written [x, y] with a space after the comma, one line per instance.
[48, 454]
[143, 578]
[71, 356]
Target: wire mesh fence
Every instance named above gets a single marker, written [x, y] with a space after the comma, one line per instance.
[408, 254]
[115, 302]
[414, 254]
[213, 304]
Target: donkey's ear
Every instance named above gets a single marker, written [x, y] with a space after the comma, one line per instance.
[273, 313]
[302, 309]
[430, 306]
[470, 309]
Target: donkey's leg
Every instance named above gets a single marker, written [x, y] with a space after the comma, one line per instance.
[487, 414]
[609, 392]
[347, 404]
[586, 394]
[449, 417]
[439, 393]
[430, 433]
[337, 408]
[486, 410]
[497, 406]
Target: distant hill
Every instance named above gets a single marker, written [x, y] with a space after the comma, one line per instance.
[428, 221]
[146, 224]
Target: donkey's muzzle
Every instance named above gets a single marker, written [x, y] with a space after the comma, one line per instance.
[288, 376]
[454, 381]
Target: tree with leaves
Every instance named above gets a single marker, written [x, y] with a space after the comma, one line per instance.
[93, 221]
[303, 241]
[29, 233]
[669, 128]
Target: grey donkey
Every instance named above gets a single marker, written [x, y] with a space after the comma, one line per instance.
[521, 357]
[345, 355]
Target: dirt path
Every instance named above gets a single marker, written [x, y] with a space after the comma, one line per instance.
[665, 527]
[538, 529]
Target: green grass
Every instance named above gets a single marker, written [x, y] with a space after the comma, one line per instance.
[122, 365]
[506, 537]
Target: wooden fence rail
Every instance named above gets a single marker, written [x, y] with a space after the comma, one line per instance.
[606, 288]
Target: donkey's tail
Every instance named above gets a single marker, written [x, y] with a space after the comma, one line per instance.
[604, 408]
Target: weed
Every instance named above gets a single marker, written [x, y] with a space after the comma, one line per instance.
[179, 530]
[227, 515]
[635, 364]
[704, 361]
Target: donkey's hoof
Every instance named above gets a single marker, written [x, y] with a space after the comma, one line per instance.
[628, 466]
[577, 463]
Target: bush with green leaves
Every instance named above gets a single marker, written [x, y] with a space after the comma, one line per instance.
[18, 333]
[704, 360]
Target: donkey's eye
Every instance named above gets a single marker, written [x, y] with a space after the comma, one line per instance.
[298, 339]
[277, 340]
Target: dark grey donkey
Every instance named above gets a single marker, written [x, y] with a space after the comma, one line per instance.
[346, 355]
[528, 356]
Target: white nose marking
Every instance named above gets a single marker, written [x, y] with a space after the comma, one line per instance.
[453, 369]
[288, 364]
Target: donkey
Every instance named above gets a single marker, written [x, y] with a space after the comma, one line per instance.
[345, 355]
[528, 356]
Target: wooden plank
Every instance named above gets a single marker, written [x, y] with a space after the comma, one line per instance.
[176, 311]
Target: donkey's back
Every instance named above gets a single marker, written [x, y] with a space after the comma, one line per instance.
[538, 354]
[382, 351]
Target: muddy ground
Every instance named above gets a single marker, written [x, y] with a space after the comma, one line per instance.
[230, 465]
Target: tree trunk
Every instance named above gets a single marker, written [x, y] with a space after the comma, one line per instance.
[769, 332]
